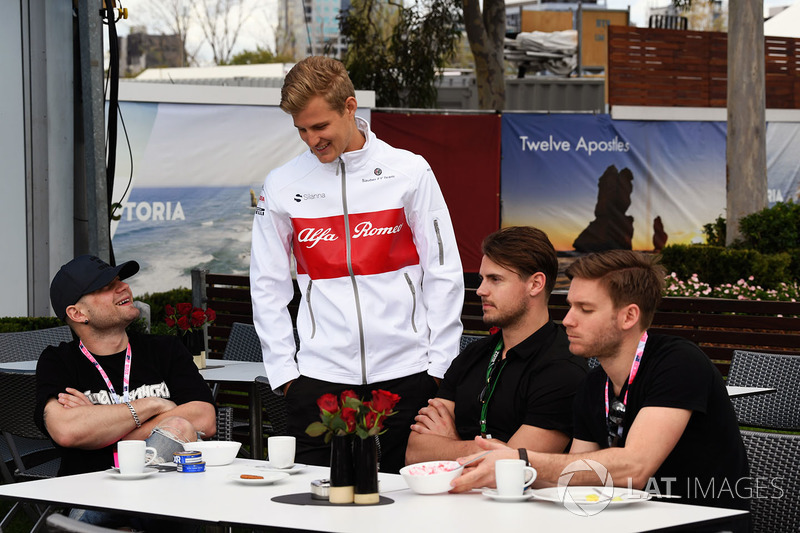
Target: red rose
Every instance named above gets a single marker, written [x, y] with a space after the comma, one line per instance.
[170, 322]
[384, 401]
[183, 323]
[348, 394]
[198, 317]
[184, 309]
[168, 309]
[328, 402]
[349, 417]
[369, 419]
[211, 315]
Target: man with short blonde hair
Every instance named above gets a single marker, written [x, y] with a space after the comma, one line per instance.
[377, 265]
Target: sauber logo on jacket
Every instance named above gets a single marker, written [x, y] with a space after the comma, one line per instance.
[380, 242]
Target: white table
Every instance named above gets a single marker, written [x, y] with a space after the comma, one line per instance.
[242, 372]
[213, 499]
[220, 371]
[737, 392]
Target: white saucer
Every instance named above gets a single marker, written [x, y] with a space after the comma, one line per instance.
[266, 478]
[290, 470]
[492, 493]
[117, 475]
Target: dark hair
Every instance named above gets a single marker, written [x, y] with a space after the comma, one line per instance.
[316, 76]
[525, 250]
[629, 277]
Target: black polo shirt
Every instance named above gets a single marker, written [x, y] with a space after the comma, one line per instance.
[536, 387]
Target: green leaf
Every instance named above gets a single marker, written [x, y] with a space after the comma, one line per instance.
[315, 429]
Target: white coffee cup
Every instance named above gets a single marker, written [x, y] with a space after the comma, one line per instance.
[281, 451]
[510, 476]
[131, 456]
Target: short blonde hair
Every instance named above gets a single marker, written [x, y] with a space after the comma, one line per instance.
[316, 76]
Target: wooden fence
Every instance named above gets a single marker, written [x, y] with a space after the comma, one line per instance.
[718, 326]
[657, 67]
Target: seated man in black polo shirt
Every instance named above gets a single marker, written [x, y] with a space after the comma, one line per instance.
[655, 413]
[517, 385]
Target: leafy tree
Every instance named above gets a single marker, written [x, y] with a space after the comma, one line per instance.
[398, 50]
[486, 30]
[257, 56]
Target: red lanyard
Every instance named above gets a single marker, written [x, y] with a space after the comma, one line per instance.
[126, 378]
[634, 370]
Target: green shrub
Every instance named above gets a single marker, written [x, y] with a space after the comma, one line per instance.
[158, 300]
[717, 265]
[28, 323]
[772, 230]
[715, 232]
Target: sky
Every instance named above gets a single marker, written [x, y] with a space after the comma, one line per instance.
[263, 18]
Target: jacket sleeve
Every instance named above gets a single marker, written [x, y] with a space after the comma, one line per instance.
[271, 288]
[443, 277]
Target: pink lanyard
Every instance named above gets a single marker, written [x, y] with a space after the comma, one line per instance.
[634, 370]
[126, 378]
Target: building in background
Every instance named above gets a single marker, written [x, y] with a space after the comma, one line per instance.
[310, 27]
[139, 51]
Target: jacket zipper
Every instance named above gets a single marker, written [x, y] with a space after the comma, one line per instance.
[310, 309]
[439, 240]
[348, 245]
[413, 301]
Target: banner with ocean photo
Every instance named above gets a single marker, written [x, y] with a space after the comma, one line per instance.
[187, 183]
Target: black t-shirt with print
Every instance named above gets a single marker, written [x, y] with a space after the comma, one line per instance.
[160, 366]
[708, 465]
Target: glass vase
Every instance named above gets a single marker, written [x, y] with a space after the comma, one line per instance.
[342, 474]
[365, 455]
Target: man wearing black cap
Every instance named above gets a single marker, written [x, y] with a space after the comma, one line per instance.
[105, 387]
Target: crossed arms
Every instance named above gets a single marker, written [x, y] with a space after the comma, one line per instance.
[74, 422]
[434, 436]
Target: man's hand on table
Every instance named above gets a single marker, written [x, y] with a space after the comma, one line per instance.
[481, 472]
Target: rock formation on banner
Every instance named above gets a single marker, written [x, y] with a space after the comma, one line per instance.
[659, 235]
[611, 229]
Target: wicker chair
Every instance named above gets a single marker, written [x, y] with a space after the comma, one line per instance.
[28, 345]
[466, 340]
[775, 473]
[19, 432]
[777, 410]
[244, 345]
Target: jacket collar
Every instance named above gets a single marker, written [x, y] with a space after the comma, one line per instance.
[358, 158]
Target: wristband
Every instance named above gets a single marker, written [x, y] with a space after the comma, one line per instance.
[523, 454]
[135, 416]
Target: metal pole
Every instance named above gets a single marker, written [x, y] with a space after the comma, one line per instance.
[90, 29]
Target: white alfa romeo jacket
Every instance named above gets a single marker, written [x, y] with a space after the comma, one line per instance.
[377, 265]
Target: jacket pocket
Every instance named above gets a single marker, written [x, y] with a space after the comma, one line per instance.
[310, 309]
[439, 240]
[413, 300]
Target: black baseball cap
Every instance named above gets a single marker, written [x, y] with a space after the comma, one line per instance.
[83, 275]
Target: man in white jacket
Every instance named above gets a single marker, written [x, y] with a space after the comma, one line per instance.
[377, 266]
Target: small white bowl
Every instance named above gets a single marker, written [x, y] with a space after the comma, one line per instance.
[215, 452]
[431, 477]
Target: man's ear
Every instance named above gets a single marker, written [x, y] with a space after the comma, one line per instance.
[350, 105]
[629, 316]
[536, 283]
[75, 314]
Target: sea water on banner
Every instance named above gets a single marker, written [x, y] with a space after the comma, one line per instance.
[170, 231]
